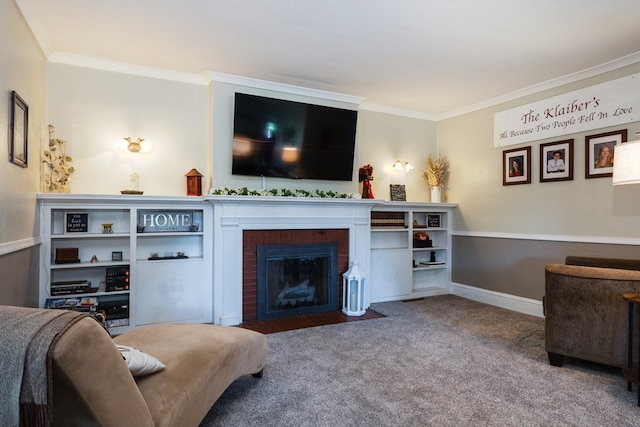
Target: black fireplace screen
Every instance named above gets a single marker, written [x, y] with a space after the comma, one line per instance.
[297, 279]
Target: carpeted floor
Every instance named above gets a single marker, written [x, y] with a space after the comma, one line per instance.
[440, 361]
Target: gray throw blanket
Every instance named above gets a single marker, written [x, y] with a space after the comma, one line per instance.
[26, 337]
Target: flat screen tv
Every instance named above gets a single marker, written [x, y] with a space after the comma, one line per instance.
[287, 139]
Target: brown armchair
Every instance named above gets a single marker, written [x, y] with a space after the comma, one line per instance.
[585, 314]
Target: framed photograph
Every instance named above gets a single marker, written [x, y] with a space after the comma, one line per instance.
[116, 256]
[398, 193]
[516, 166]
[600, 152]
[19, 126]
[556, 161]
[76, 222]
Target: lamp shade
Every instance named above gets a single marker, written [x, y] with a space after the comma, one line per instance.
[626, 164]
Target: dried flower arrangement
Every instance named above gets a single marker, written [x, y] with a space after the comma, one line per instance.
[57, 165]
[437, 171]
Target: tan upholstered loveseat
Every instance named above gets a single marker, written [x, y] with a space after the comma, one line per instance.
[585, 314]
[91, 384]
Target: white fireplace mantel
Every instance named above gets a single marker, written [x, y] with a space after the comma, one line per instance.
[234, 214]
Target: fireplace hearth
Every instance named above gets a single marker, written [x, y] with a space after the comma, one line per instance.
[294, 279]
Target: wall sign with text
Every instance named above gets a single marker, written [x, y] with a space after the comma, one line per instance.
[76, 222]
[611, 103]
[164, 221]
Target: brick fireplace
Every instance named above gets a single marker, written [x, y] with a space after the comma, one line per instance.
[240, 222]
[253, 238]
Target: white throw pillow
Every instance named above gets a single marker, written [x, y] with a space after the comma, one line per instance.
[138, 362]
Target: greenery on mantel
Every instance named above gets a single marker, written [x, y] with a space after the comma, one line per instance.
[280, 192]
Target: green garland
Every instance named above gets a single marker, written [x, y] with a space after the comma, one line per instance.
[276, 192]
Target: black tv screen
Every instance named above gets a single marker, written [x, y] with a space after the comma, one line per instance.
[287, 139]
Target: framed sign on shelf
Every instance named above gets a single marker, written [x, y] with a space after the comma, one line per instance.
[76, 222]
[433, 221]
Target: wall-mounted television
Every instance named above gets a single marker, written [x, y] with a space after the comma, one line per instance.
[288, 139]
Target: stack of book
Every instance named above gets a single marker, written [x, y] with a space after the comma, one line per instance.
[387, 220]
[117, 279]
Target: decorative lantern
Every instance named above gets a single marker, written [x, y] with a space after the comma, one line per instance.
[353, 291]
[194, 183]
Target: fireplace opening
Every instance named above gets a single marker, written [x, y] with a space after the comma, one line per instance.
[295, 279]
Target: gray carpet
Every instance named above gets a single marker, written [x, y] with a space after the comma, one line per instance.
[440, 361]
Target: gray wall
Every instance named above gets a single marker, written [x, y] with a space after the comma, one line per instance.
[516, 266]
[22, 68]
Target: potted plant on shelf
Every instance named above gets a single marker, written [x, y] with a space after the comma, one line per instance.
[421, 240]
[436, 174]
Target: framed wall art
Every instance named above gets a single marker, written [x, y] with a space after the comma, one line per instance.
[556, 161]
[19, 126]
[516, 166]
[600, 152]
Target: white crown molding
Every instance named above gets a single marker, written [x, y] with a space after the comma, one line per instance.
[398, 111]
[631, 59]
[125, 68]
[285, 88]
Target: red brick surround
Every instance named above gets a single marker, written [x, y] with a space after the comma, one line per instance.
[252, 238]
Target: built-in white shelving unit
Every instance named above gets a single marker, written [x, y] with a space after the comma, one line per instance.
[139, 259]
[405, 263]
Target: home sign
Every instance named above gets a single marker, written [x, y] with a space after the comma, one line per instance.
[158, 221]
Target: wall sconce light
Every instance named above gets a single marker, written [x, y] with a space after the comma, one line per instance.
[399, 166]
[626, 167]
[137, 146]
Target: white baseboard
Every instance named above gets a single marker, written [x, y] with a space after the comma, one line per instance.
[499, 299]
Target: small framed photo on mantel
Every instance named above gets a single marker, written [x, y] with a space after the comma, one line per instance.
[398, 193]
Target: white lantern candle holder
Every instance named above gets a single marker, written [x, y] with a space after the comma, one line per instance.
[353, 291]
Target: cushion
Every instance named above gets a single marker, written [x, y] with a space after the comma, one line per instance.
[138, 362]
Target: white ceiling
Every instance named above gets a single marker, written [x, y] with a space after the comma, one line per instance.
[423, 56]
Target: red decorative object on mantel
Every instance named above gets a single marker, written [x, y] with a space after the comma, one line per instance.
[194, 183]
[365, 176]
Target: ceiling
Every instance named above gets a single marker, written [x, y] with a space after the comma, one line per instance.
[423, 56]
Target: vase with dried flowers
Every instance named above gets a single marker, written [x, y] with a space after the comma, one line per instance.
[436, 174]
[365, 176]
[57, 168]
